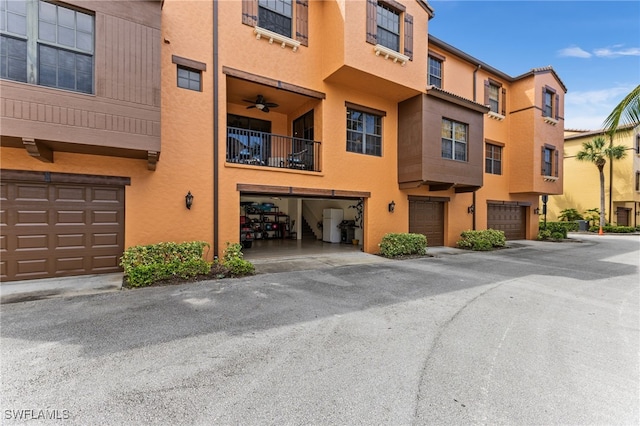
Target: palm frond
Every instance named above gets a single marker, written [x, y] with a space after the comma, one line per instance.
[626, 112]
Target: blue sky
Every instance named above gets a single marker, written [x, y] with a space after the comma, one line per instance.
[594, 46]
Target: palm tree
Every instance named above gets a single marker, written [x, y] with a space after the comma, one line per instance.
[626, 112]
[597, 152]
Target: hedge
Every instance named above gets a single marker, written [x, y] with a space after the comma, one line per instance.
[482, 240]
[146, 264]
[403, 244]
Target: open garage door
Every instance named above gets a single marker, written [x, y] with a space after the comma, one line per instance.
[53, 229]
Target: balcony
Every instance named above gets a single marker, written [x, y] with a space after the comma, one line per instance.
[272, 151]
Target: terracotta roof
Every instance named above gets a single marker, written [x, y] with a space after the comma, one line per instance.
[583, 133]
[474, 61]
[457, 99]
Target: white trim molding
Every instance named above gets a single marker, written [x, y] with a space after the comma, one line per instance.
[495, 116]
[270, 36]
[387, 53]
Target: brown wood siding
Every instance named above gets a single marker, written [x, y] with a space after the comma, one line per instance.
[420, 147]
[509, 218]
[127, 89]
[427, 218]
[60, 229]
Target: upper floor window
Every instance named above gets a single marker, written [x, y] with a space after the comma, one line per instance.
[61, 55]
[435, 72]
[638, 144]
[495, 96]
[275, 15]
[364, 132]
[390, 26]
[549, 161]
[189, 78]
[454, 140]
[550, 102]
[279, 16]
[637, 181]
[189, 72]
[493, 159]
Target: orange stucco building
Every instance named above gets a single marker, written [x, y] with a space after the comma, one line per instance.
[270, 113]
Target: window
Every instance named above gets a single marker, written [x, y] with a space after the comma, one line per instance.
[638, 144]
[189, 78]
[284, 17]
[189, 72]
[493, 159]
[385, 20]
[275, 15]
[388, 27]
[454, 140]
[549, 161]
[637, 181]
[550, 102]
[435, 72]
[364, 132]
[61, 55]
[495, 97]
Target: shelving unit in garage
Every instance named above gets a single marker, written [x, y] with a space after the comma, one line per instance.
[267, 222]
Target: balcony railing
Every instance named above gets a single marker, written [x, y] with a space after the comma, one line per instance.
[269, 150]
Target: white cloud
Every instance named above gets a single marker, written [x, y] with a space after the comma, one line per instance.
[574, 52]
[587, 110]
[615, 52]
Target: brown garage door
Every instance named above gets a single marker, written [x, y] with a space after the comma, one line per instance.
[60, 229]
[427, 217]
[508, 218]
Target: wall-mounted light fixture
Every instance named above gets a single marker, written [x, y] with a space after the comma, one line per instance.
[392, 206]
[536, 210]
[188, 200]
[471, 208]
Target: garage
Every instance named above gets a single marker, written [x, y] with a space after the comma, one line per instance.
[507, 217]
[426, 216]
[57, 224]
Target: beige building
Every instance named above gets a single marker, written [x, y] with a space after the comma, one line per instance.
[582, 184]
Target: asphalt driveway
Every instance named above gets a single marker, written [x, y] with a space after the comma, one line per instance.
[542, 333]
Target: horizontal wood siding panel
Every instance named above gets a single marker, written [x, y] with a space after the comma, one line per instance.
[127, 86]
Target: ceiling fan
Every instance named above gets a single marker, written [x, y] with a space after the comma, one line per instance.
[261, 103]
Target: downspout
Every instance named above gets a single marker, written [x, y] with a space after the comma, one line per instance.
[215, 129]
[473, 202]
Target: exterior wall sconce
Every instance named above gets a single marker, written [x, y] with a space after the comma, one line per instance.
[392, 206]
[536, 210]
[471, 208]
[188, 199]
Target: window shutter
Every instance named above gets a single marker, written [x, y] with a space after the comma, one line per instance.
[557, 107]
[372, 21]
[542, 161]
[504, 101]
[302, 22]
[544, 91]
[556, 161]
[408, 36]
[250, 12]
[486, 92]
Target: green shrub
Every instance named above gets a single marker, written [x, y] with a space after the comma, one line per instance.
[614, 229]
[543, 234]
[569, 215]
[402, 244]
[481, 240]
[559, 228]
[557, 235]
[235, 264]
[147, 264]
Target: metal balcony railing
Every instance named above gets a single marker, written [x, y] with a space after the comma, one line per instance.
[269, 150]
